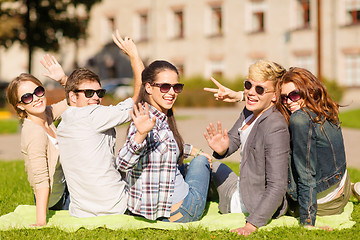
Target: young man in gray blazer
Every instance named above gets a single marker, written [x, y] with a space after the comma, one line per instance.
[262, 134]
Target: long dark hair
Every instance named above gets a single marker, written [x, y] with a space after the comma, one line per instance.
[149, 76]
[313, 93]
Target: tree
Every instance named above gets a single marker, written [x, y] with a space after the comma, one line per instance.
[41, 24]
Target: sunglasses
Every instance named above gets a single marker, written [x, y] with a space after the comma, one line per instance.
[294, 96]
[258, 89]
[89, 93]
[165, 87]
[29, 97]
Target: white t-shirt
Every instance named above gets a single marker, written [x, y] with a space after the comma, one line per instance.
[58, 186]
[86, 137]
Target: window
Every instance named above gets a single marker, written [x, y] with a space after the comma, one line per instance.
[178, 24]
[142, 26]
[255, 16]
[107, 28]
[305, 61]
[303, 13]
[215, 68]
[352, 62]
[214, 20]
[353, 11]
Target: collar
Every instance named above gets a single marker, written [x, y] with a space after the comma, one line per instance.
[159, 115]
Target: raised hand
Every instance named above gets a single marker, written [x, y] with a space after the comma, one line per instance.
[142, 121]
[217, 139]
[223, 93]
[55, 71]
[127, 45]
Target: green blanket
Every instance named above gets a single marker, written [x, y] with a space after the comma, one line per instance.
[24, 215]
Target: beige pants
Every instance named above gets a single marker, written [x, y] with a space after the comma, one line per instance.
[336, 206]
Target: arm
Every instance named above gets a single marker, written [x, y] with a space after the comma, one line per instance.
[35, 148]
[142, 124]
[189, 150]
[129, 48]
[225, 94]
[305, 161]
[42, 197]
[55, 70]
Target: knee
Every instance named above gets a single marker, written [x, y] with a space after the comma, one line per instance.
[215, 166]
[201, 160]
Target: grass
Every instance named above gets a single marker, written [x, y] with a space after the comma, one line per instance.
[15, 190]
[350, 119]
[8, 126]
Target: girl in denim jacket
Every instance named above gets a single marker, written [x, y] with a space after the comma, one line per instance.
[318, 180]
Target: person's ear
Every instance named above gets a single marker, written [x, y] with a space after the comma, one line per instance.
[273, 99]
[72, 98]
[148, 88]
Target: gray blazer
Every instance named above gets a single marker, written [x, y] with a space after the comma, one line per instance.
[264, 165]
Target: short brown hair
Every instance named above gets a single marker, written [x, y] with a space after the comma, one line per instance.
[77, 77]
[12, 91]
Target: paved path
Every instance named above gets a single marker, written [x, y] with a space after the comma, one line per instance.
[192, 123]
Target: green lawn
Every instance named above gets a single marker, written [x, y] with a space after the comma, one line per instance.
[9, 126]
[350, 119]
[15, 190]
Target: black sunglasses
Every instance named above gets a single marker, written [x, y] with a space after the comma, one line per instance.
[258, 89]
[165, 87]
[90, 92]
[29, 97]
[294, 96]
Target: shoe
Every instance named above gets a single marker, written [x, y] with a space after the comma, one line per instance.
[356, 190]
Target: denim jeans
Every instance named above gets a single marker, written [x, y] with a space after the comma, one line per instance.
[198, 177]
[64, 202]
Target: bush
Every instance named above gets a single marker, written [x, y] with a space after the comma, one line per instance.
[194, 95]
[335, 91]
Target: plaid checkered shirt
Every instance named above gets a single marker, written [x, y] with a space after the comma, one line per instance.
[150, 168]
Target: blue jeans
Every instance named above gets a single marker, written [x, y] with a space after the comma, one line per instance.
[197, 176]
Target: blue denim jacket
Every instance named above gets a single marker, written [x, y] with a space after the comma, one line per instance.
[316, 163]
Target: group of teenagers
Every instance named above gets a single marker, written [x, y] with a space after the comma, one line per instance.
[289, 135]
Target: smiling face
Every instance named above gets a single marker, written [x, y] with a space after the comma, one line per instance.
[80, 100]
[259, 103]
[163, 101]
[292, 106]
[38, 104]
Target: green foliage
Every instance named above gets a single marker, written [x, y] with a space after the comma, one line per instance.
[15, 190]
[335, 91]
[193, 94]
[41, 24]
[9, 126]
[350, 119]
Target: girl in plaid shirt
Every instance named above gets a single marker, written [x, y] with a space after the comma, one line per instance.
[154, 151]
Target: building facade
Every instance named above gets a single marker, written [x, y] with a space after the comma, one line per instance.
[220, 37]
